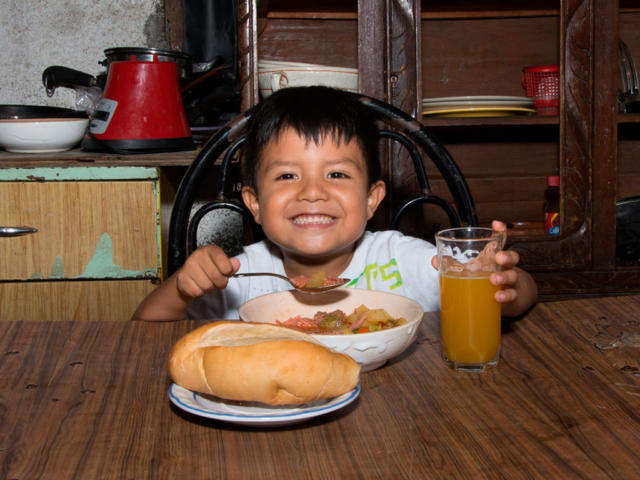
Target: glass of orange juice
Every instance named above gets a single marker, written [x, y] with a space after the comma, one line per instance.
[469, 312]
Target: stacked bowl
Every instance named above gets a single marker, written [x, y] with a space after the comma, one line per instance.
[274, 75]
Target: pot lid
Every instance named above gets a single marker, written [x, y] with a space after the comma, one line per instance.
[147, 51]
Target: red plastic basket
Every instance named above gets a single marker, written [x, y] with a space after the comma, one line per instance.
[543, 84]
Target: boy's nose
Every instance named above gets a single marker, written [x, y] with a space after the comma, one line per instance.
[312, 190]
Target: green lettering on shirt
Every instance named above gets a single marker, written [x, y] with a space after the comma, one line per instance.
[371, 274]
[393, 275]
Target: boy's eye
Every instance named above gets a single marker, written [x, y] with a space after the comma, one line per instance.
[338, 175]
[286, 176]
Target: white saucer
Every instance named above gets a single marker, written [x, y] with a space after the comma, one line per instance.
[254, 414]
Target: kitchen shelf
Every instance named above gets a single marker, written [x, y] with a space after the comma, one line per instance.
[469, 9]
[296, 10]
[629, 118]
[524, 121]
[80, 158]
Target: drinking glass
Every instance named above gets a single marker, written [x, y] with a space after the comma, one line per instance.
[469, 312]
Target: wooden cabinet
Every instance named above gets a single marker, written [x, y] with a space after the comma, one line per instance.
[415, 49]
[97, 246]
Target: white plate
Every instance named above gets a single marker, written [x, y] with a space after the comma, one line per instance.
[476, 98]
[479, 103]
[254, 414]
[480, 112]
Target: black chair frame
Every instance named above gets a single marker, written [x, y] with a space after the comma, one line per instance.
[183, 231]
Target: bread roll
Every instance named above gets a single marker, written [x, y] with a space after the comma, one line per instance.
[260, 362]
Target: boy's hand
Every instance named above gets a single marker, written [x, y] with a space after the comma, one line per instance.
[206, 269]
[507, 277]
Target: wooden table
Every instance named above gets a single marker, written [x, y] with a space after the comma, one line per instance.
[89, 400]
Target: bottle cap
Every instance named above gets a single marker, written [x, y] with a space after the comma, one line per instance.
[553, 181]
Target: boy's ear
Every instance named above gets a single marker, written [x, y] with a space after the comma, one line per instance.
[251, 201]
[376, 193]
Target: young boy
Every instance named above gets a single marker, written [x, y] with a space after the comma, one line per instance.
[312, 180]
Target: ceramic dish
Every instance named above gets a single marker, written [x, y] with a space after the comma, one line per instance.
[474, 104]
[253, 414]
[276, 65]
[272, 81]
[46, 135]
[480, 112]
[477, 98]
[370, 350]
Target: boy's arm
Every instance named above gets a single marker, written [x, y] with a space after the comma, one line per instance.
[164, 303]
[206, 269]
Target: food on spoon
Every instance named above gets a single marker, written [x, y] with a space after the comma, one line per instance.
[318, 279]
[362, 320]
[258, 362]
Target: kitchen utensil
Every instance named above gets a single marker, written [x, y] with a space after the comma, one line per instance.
[479, 98]
[272, 76]
[187, 67]
[371, 350]
[255, 414]
[15, 112]
[343, 281]
[479, 112]
[141, 110]
[478, 103]
[469, 312]
[41, 135]
[543, 84]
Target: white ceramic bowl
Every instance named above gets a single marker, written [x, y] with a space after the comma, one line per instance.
[370, 350]
[41, 135]
[272, 77]
[278, 65]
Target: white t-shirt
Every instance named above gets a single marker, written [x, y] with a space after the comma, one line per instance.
[388, 261]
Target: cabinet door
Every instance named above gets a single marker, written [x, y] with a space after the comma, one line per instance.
[86, 230]
[92, 300]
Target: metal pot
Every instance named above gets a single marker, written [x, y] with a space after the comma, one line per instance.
[188, 65]
[58, 76]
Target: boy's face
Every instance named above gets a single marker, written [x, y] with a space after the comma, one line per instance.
[313, 199]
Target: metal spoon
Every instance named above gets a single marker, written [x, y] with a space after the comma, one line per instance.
[300, 289]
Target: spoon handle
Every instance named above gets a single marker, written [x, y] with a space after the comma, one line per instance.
[261, 274]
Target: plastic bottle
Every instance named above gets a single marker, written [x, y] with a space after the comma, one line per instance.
[552, 206]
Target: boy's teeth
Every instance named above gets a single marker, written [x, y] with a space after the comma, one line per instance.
[307, 219]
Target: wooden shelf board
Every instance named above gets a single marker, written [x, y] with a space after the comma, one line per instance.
[471, 14]
[431, 15]
[629, 118]
[80, 158]
[313, 15]
[490, 121]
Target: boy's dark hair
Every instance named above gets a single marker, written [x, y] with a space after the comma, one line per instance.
[313, 113]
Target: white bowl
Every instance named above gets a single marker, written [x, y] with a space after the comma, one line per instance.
[42, 135]
[277, 65]
[272, 76]
[370, 350]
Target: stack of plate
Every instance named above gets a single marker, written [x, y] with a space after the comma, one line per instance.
[478, 106]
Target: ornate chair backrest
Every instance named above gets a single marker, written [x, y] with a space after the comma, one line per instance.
[407, 131]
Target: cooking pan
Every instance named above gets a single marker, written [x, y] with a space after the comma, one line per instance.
[16, 112]
[628, 229]
[188, 67]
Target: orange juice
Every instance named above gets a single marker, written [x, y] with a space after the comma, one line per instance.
[470, 318]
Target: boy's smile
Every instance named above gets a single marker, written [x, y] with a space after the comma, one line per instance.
[313, 201]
